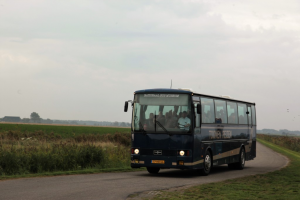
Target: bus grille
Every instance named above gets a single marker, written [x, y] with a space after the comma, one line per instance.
[150, 152]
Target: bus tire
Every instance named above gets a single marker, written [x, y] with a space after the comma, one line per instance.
[207, 165]
[241, 164]
[153, 170]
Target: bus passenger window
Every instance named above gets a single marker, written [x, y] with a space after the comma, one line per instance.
[221, 114]
[208, 110]
[242, 109]
[197, 116]
[232, 113]
[249, 115]
[253, 115]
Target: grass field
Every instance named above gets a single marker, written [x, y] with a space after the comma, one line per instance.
[29, 150]
[61, 130]
[282, 184]
[292, 143]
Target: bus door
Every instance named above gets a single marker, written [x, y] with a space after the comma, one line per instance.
[250, 132]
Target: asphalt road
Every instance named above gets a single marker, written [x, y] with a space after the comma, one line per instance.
[120, 185]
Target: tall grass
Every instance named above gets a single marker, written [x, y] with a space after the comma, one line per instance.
[292, 143]
[39, 151]
[30, 159]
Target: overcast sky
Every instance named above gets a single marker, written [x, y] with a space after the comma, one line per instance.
[80, 60]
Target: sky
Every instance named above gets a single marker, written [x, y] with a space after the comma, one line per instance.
[80, 60]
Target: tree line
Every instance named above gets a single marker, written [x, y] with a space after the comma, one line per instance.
[35, 118]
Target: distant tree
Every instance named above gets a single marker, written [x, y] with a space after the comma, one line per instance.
[25, 120]
[48, 121]
[115, 123]
[35, 117]
[73, 122]
[123, 124]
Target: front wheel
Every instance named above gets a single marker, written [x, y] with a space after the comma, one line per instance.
[207, 165]
[241, 164]
[153, 170]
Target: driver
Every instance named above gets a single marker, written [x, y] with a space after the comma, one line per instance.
[184, 122]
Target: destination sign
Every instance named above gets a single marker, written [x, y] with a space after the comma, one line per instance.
[162, 95]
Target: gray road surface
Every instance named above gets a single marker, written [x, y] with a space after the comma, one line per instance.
[120, 185]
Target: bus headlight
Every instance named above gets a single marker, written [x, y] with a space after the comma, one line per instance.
[136, 151]
[181, 153]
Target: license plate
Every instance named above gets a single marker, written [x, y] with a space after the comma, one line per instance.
[158, 161]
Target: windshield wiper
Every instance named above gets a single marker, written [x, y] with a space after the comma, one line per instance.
[161, 126]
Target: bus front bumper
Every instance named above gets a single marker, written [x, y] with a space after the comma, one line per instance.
[180, 162]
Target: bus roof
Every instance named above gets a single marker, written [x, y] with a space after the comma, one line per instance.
[184, 91]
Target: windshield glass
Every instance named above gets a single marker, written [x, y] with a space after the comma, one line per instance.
[162, 113]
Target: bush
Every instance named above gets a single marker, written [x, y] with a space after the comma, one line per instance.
[292, 143]
[57, 158]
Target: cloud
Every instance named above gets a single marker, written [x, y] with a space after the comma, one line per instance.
[82, 60]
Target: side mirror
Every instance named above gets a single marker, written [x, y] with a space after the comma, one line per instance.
[247, 112]
[126, 106]
[198, 109]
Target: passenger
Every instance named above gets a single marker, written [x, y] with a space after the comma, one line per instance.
[174, 114]
[170, 113]
[204, 117]
[160, 118]
[184, 122]
[180, 114]
[209, 117]
[222, 114]
[218, 121]
[174, 119]
[150, 121]
[232, 118]
[167, 118]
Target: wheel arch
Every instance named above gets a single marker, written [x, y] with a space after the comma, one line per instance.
[242, 147]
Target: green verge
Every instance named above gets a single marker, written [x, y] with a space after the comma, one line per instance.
[76, 172]
[281, 184]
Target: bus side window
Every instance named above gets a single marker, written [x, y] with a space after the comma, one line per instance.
[242, 109]
[253, 115]
[221, 113]
[232, 113]
[197, 116]
[207, 110]
[249, 115]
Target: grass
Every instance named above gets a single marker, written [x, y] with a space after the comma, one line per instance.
[292, 143]
[62, 131]
[39, 150]
[281, 184]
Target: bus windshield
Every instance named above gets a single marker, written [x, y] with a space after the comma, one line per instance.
[162, 113]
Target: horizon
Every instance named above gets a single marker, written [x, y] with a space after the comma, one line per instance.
[86, 62]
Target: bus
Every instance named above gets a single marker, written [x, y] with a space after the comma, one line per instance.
[178, 128]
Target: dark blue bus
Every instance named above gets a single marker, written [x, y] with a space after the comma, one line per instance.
[177, 128]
